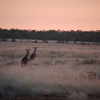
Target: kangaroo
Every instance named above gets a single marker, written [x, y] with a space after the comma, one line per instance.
[25, 59]
[32, 57]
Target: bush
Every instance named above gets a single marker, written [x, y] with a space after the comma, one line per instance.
[13, 40]
[45, 41]
[4, 40]
[35, 41]
[91, 61]
[78, 96]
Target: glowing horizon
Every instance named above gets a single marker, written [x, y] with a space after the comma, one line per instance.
[50, 14]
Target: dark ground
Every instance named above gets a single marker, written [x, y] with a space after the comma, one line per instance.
[44, 98]
[35, 98]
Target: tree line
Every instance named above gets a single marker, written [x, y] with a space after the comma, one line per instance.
[59, 35]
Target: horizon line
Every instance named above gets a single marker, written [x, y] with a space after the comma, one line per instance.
[50, 29]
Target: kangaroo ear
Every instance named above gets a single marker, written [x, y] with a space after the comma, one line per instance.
[26, 49]
[29, 49]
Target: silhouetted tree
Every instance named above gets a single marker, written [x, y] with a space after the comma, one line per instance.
[62, 36]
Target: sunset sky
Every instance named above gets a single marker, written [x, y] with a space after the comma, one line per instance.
[50, 14]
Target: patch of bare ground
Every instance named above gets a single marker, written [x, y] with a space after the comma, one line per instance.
[94, 98]
[46, 98]
[36, 98]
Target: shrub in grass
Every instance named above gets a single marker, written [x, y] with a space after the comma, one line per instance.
[77, 96]
[91, 61]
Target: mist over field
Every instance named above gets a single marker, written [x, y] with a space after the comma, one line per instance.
[72, 70]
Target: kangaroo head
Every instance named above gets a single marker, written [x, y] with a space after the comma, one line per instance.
[33, 54]
[27, 54]
[34, 51]
[27, 51]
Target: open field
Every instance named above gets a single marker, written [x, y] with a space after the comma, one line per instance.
[69, 70]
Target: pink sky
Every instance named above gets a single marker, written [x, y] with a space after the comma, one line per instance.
[50, 14]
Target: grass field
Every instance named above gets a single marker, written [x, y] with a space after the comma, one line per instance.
[71, 69]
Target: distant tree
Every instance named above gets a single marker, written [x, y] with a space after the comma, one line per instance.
[59, 35]
[35, 41]
[4, 40]
[13, 40]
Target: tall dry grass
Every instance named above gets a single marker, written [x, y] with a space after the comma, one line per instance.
[59, 69]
